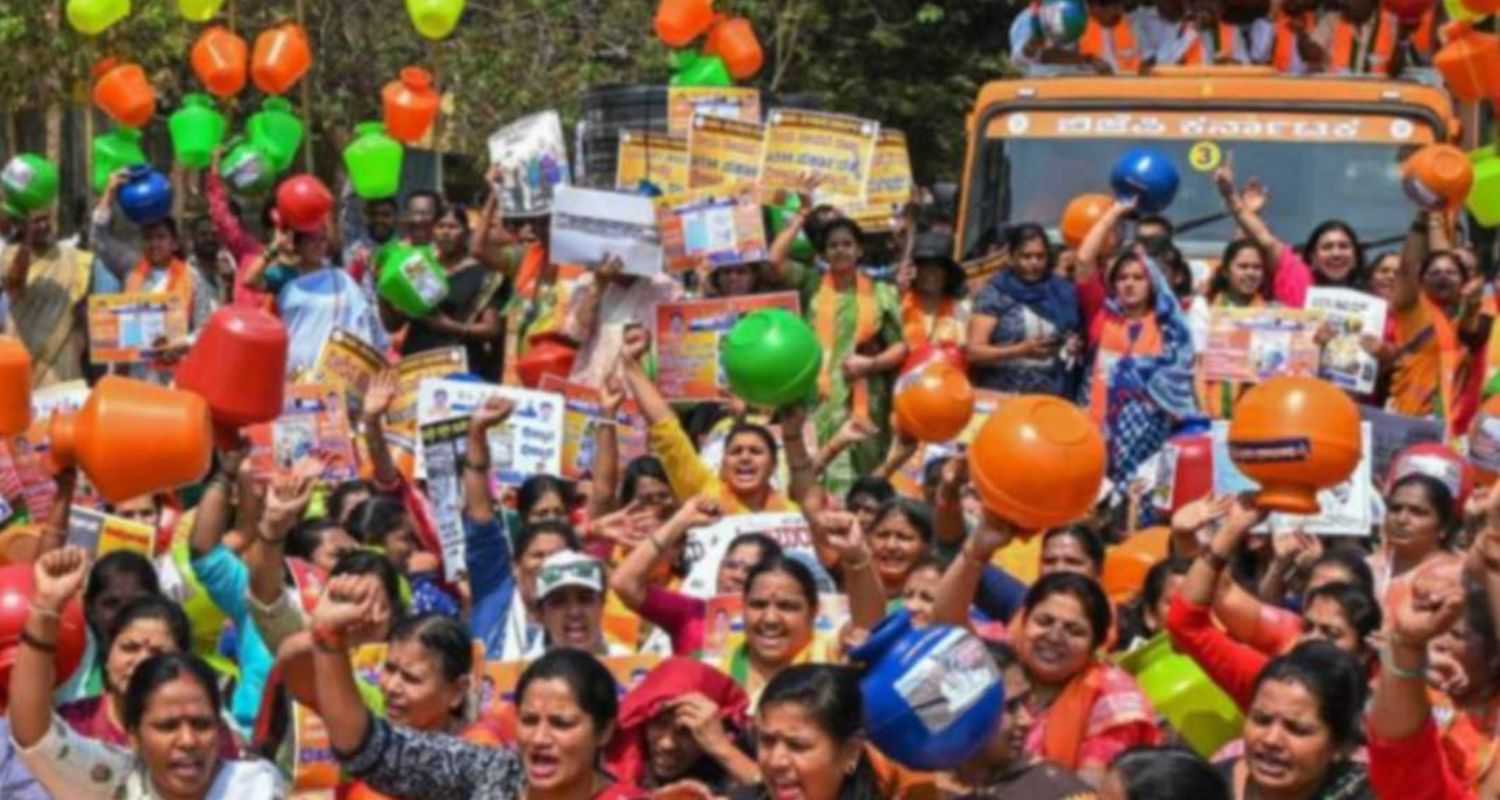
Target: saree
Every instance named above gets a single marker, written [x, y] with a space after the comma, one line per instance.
[1099, 714]
[1434, 375]
[44, 315]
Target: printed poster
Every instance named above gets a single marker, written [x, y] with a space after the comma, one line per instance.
[706, 546]
[687, 342]
[659, 158]
[889, 187]
[314, 422]
[698, 227]
[724, 152]
[443, 446]
[533, 157]
[1391, 433]
[529, 443]
[589, 224]
[582, 417]
[1249, 345]
[348, 364]
[835, 147]
[1346, 509]
[740, 103]
[101, 534]
[411, 372]
[1353, 315]
[314, 767]
[128, 327]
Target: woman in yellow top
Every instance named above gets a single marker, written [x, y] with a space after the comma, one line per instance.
[743, 485]
[858, 321]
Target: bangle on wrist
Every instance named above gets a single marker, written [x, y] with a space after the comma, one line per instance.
[37, 644]
[44, 612]
[1218, 562]
[1388, 663]
[327, 639]
[853, 565]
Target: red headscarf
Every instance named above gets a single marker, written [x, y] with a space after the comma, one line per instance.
[675, 677]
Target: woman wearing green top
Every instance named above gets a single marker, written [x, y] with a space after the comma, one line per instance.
[858, 321]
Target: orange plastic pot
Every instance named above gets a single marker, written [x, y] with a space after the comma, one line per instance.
[679, 22]
[547, 355]
[934, 403]
[15, 387]
[1438, 177]
[134, 438]
[122, 91]
[410, 105]
[220, 59]
[1469, 62]
[929, 352]
[1126, 564]
[1483, 8]
[1080, 215]
[238, 365]
[1295, 436]
[1038, 462]
[281, 57]
[733, 40]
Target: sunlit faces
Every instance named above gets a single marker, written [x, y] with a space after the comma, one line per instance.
[140, 640]
[778, 617]
[1334, 255]
[798, 759]
[1058, 639]
[1412, 523]
[896, 546]
[1288, 746]
[556, 736]
[747, 463]
[417, 693]
[919, 592]
[572, 616]
[178, 738]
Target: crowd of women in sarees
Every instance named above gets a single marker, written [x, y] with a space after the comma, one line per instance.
[574, 646]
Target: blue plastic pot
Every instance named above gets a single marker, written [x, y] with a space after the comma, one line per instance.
[146, 197]
[1148, 175]
[932, 697]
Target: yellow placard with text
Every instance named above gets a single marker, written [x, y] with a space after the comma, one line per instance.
[727, 102]
[835, 148]
[659, 158]
[124, 328]
[724, 152]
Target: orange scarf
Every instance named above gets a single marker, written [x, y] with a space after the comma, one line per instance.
[1286, 39]
[1068, 718]
[919, 328]
[1194, 57]
[530, 270]
[179, 281]
[1123, 54]
[1341, 51]
[825, 318]
[1429, 344]
[1115, 343]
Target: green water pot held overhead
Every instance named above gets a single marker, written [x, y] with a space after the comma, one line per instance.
[197, 130]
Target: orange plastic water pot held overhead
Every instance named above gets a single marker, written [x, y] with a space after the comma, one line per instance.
[1438, 177]
[15, 387]
[1081, 213]
[1469, 62]
[934, 403]
[134, 438]
[220, 60]
[238, 365]
[282, 56]
[410, 104]
[122, 91]
[1295, 436]
[734, 41]
[679, 22]
[1126, 564]
[1038, 462]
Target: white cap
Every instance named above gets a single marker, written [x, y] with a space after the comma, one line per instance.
[569, 568]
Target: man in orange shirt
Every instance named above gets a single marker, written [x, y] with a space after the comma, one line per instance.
[1111, 38]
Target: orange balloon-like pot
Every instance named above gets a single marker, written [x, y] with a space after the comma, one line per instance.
[1038, 462]
[1295, 436]
[15, 387]
[1126, 564]
[1080, 215]
[934, 403]
[1438, 176]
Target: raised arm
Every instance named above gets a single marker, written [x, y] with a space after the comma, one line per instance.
[57, 577]
[1091, 249]
[1202, 577]
[378, 398]
[948, 512]
[286, 500]
[347, 602]
[781, 246]
[1245, 208]
[960, 581]
[479, 504]
[116, 254]
[653, 406]
[803, 487]
[630, 579]
[1413, 252]
[55, 531]
[605, 474]
[861, 583]
[214, 508]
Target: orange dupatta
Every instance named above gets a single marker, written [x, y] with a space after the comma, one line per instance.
[825, 321]
[919, 328]
[1341, 51]
[179, 281]
[1430, 360]
[1122, 45]
[1193, 57]
[1115, 342]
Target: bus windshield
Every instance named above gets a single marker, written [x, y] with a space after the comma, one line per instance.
[1032, 179]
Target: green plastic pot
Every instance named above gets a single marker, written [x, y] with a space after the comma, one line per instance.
[197, 130]
[1484, 196]
[373, 161]
[276, 131]
[777, 218]
[411, 279]
[771, 358]
[115, 150]
[29, 183]
[694, 69]
[1178, 689]
[247, 170]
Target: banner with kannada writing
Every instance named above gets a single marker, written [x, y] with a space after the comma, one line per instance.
[529, 443]
[411, 371]
[740, 103]
[724, 152]
[443, 449]
[835, 147]
[101, 534]
[721, 230]
[687, 342]
[125, 328]
[659, 158]
[889, 187]
[582, 415]
[314, 422]
[348, 364]
[1249, 345]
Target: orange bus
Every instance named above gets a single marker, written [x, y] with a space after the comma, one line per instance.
[1324, 147]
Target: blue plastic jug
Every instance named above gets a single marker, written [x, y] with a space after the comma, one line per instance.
[146, 196]
[933, 697]
[1148, 175]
